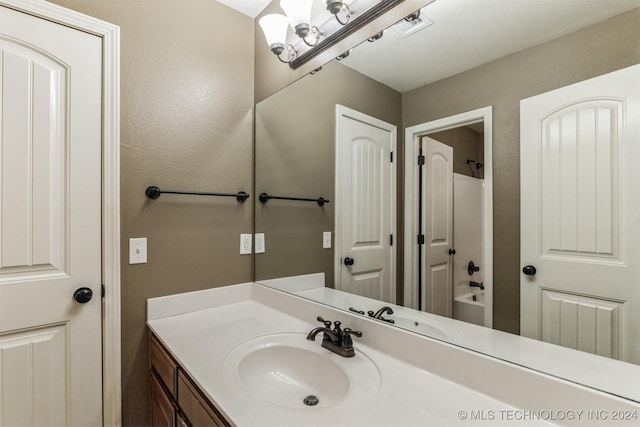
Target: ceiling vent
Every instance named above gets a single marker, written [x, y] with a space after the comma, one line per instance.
[406, 28]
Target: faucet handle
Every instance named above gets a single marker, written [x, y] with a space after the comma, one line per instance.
[347, 342]
[336, 328]
[352, 332]
[327, 323]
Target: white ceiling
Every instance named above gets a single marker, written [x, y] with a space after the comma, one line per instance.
[250, 8]
[469, 33]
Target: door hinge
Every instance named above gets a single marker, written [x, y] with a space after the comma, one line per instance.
[391, 239]
[102, 291]
[391, 155]
[421, 239]
[421, 160]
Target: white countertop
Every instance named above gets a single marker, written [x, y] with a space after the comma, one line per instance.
[602, 373]
[413, 390]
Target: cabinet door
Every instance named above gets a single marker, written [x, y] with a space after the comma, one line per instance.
[195, 406]
[163, 413]
[163, 365]
[181, 421]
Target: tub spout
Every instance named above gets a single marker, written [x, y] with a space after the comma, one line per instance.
[476, 285]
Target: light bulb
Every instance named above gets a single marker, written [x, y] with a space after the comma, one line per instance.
[274, 27]
[299, 14]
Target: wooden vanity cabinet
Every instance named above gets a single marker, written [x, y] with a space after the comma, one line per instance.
[163, 409]
[175, 399]
[181, 421]
[195, 405]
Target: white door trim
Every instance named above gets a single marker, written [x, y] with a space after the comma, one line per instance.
[342, 111]
[110, 34]
[412, 142]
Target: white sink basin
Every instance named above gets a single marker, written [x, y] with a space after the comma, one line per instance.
[431, 328]
[284, 369]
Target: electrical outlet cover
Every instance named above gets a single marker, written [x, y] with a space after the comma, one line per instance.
[260, 247]
[245, 244]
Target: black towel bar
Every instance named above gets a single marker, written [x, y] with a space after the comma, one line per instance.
[264, 198]
[154, 192]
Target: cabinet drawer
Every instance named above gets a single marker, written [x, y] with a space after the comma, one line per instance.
[163, 364]
[195, 406]
[163, 411]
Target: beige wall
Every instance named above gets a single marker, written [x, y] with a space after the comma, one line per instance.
[295, 157]
[604, 47]
[187, 97]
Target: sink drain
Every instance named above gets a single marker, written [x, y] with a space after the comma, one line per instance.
[311, 400]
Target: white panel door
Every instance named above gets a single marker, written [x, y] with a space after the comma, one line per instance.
[580, 215]
[437, 184]
[50, 223]
[365, 215]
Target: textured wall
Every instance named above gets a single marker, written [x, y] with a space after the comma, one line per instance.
[187, 98]
[295, 156]
[595, 50]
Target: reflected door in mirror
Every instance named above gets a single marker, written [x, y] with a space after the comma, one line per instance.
[438, 225]
[365, 190]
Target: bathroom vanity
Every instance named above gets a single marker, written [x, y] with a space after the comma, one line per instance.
[175, 398]
[238, 355]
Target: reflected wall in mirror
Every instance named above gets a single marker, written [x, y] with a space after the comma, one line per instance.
[295, 151]
[476, 54]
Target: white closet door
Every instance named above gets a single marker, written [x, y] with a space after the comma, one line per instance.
[50, 223]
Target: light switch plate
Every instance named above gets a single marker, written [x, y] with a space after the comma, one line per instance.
[245, 244]
[260, 248]
[138, 250]
[326, 240]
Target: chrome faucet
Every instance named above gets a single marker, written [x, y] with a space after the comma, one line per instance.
[378, 314]
[476, 285]
[337, 340]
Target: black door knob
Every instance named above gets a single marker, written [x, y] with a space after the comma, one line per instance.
[452, 251]
[348, 261]
[529, 270]
[83, 295]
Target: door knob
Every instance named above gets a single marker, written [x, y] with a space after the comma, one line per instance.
[529, 270]
[83, 295]
[452, 251]
[348, 261]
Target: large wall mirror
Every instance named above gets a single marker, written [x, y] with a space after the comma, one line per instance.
[434, 107]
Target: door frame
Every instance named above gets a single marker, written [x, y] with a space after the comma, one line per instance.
[111, 342]
[411, 200]
[342, 111]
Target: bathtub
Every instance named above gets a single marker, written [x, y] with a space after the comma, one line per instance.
[469, 308]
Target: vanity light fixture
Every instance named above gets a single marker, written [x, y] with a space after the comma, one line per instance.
[343, 56]
[415, 15]
[274, 27]
[350, 16]
[299, 15]
[375, 37]
[335, 7]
